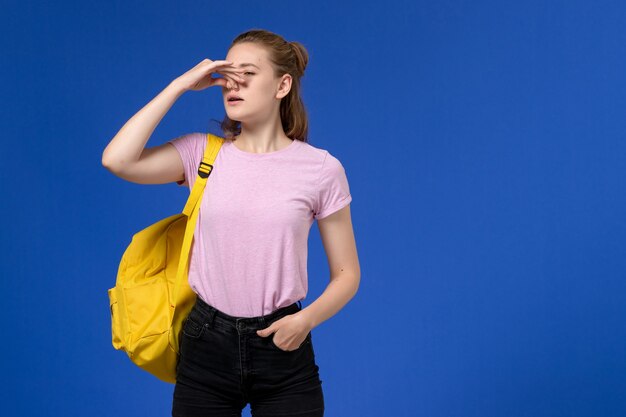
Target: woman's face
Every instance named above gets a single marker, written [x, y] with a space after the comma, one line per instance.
[261, 91]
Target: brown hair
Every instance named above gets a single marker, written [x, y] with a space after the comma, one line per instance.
[285, 58]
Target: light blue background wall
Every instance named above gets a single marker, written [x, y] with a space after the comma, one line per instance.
[484, 146]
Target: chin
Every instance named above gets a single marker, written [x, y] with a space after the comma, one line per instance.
[234, 118]
[231, 114]
[237, 116]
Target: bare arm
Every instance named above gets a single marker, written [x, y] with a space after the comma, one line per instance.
[125, 155]
[345, 271]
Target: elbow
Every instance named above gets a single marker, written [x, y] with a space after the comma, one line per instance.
[111, 161]
[357, 278]
[109, 165]
[354, 281]
[106, 161]
[115, 166]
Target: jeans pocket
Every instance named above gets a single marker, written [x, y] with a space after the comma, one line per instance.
[192, 328]
[306, 341]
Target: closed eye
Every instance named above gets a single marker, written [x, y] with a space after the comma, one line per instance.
[248, 72]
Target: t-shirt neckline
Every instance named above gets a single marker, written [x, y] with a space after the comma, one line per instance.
[264, 155]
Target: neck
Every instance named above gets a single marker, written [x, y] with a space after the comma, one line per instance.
[262, 139]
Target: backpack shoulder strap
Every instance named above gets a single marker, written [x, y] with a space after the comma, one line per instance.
[192, 208]
[212, 148]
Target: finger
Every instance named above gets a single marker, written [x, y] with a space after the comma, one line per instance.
[237, 78]
[233, 74]
[233, 70]
[230, 84]
[221, 62]
[233, 77]
[218, 66]
[223, 81]
[234, 84]
[220, 81]
[230, 78]
[225, 66]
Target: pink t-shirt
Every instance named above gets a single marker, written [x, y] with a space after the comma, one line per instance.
[249, 253]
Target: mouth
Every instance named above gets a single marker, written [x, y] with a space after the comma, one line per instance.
[234, 101]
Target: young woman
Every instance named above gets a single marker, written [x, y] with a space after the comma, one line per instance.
[247, 338]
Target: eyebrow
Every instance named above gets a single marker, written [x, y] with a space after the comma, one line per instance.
[247, 64]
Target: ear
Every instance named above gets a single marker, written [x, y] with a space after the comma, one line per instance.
[284, 87]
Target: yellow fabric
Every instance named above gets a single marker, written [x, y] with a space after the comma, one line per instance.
[152, 296]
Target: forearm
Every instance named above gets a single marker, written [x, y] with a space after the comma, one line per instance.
[128, 144]
[339, 291]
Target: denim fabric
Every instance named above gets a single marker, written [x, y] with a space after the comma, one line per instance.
[224, 365]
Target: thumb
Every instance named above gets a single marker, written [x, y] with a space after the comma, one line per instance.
[265, 332]
[222, 82]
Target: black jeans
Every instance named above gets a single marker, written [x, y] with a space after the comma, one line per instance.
[224, 365]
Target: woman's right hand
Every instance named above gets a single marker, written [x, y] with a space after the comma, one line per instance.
[199, 77]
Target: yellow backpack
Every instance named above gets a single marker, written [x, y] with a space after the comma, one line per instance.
[152, 296]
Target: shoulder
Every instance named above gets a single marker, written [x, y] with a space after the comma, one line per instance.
[323, 157]
[189, 140]
[193, 136]
[328, 162]
[312, 151]
[194, 143]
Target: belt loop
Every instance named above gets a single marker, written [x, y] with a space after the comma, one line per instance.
[263, 321]
[211, 317]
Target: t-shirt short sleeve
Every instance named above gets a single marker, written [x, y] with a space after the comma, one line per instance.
[334, 191]
[190, 146]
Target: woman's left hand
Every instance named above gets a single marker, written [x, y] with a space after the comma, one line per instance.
[289, 332]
